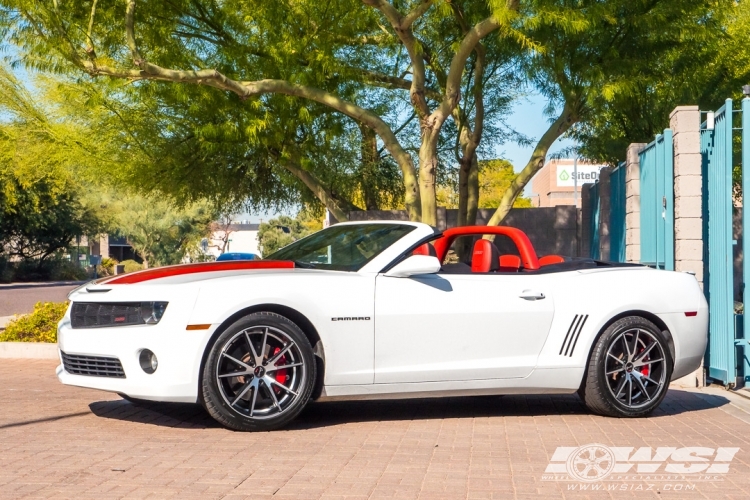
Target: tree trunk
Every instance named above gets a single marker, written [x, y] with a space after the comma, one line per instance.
[369, 168]
[566, 120]
[468, 190]
[428, 165]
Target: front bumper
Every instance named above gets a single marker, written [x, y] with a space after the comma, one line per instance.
[179, 353]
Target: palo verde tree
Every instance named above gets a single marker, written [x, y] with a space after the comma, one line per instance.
[298, 78]
[329, 54]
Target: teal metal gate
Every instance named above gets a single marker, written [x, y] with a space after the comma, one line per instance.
[726, 347]
[617, 214]
[657, 202]
[594, 222]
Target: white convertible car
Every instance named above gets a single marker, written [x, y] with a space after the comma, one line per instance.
[385, 310]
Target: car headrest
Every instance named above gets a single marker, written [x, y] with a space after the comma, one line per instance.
[485, 258]
[425, 249]
[509, 263]
[550, 259]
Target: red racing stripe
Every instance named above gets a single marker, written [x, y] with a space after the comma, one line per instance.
[204, 267]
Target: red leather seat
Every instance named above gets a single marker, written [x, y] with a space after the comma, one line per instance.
[425, 249]
[509, 263]
[550, 259]
[485, 258]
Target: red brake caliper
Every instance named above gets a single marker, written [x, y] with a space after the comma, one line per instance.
[644, 369]
[280, 374]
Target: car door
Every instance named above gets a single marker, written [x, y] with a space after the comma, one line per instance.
[451, 327]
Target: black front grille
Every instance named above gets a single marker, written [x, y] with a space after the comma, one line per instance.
[94, 366]
[92, 315]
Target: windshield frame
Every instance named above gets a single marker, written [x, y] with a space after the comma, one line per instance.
[374, 225]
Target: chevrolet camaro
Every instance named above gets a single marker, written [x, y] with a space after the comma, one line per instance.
[383, 310]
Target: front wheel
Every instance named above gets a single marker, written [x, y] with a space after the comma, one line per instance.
[629, 370]
[259, 373]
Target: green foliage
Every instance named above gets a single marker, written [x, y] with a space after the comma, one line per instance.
[160, 232]
[617, 67]
[494, 178]
[53, 269]
[39, 326]
[281, 231]
[131, 265]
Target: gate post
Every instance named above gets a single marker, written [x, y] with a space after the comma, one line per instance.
[688, 185]
[633, 203]
[688, 215]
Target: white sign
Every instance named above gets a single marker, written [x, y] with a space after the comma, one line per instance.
[586, 174]
[598, 462]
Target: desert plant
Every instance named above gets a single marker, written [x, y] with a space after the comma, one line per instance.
[39, 326]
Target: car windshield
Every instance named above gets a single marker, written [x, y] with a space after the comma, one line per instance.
[342, 247]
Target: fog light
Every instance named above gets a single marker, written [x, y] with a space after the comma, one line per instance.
[148, 360]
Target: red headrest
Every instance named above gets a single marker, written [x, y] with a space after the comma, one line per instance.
[425, 249]
[550, 259]
[486, 257]
[511, 262]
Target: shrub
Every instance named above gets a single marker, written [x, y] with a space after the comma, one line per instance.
[107, 267]
[131, 265]
[39, 326]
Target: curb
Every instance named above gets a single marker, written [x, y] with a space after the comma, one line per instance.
[28, 350]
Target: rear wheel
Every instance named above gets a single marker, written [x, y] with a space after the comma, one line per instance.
[629, 370]
[259, 374]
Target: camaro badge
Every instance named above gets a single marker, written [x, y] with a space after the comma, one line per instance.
[352, 318]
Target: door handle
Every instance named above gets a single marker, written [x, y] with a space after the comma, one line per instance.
[531, 295]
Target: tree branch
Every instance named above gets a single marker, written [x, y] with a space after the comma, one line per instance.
[416, 13]
[568, 117]
[130, 33]
[340, 209]
[395, 82]
[90, 31]
[402, 26]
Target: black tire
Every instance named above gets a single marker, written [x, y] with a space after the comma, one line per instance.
[243, 388]
[619, 384]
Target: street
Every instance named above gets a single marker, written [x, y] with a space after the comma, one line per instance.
[65, 442]
[19, 298]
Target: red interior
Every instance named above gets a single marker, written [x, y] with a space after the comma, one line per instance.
[510, 263]
[425, 249]
[485, 257]
[525, 248]
[550, 259]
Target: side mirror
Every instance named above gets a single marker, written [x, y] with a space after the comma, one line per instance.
[416, 264]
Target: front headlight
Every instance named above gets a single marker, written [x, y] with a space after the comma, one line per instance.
[152, 311]
[107, 314]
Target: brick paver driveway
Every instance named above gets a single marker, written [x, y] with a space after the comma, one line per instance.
[63, 442]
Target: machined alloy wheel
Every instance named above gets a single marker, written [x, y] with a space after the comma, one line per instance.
[629, 370]
[259, 373]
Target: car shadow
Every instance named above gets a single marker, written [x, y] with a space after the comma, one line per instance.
[326, 414]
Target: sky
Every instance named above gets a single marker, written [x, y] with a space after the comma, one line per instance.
[527, 118]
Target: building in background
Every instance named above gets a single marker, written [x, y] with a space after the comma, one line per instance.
[554, 184]
[237, 237]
